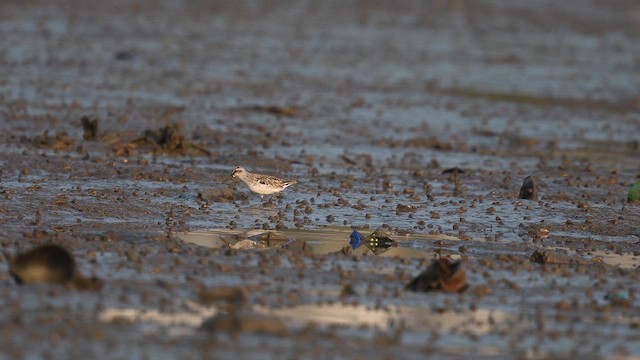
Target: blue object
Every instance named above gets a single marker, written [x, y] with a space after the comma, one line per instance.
[356, 239]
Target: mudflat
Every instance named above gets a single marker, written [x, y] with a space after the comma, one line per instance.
[120, 124]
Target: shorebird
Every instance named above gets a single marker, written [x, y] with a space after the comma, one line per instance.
[261, 184]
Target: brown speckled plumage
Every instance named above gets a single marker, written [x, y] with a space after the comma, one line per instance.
[261, 184]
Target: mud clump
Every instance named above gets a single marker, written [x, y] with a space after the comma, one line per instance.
[401, 208]
[89, 127]
[347, 290]
[50, 264]
[59, 142]
[443, 274]
[168, 140]
[454, 176]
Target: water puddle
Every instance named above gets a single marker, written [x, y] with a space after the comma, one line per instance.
[322, 241]
[334, 239]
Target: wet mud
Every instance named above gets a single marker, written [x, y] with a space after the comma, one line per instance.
[486, 152]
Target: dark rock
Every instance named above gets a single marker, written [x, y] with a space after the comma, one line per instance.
[443, 274]
[44, 264]
[528, 189]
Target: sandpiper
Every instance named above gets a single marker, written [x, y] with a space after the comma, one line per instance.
[261, 184]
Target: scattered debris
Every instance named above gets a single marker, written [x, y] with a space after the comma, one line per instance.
[90, 128]
[528, 189]
[443, 274]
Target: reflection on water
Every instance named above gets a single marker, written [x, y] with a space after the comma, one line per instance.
[323, 241]
[333, 239]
